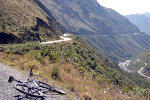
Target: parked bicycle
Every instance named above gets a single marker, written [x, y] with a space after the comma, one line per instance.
[33, 88]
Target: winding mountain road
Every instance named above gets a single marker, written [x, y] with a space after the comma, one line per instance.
[124, 65]
[140, 72]
[63, 39]
[141, 69]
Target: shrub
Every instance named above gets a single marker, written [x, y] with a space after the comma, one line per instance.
[93, 66]
[53, 55]
[74, 43]
[86, 96]
[71, 88]
[32, 64]
[55, 73]
[3, 27]
[7, 51]
[12, 57]
[92, 58]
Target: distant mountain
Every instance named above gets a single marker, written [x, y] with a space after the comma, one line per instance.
[110, 32]
[25, 20]
[147, 14]
[141, 20]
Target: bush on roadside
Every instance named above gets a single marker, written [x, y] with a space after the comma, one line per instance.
[55, 73]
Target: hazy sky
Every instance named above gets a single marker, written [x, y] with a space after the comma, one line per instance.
[126, 7]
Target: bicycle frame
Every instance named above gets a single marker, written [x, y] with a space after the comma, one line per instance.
[35, 89]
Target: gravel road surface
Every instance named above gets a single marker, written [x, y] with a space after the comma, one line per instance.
[7, 91]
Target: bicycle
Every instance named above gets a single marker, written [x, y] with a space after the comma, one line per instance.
[35, 89]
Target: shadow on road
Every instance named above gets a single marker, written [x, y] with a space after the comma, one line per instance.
[27, 97]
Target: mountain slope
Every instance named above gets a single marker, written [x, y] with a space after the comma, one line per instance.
[110, 32]
[121, 47]
[25, 21]
[141, 20]
[76, 65]
[88, 16]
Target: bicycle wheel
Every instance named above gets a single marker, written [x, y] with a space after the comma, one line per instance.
[48, 88]
[30, 91]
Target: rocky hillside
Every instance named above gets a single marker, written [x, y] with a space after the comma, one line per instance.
[88, 17]
[110, 32]
[25, 20]
[141, 20]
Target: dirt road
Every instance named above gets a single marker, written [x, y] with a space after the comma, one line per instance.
[8, 92]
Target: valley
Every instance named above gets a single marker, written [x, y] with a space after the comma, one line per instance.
[104, 28]
[120, 47]
[128, 64]
[77, 45]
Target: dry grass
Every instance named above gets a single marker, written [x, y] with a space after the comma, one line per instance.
[19, 13]
[76, 84]
[26, 20]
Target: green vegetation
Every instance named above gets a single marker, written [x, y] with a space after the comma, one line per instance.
[110, 32]
[73, 63]
[120, 47]
[136, 65]
[145, 59]
[3, 27]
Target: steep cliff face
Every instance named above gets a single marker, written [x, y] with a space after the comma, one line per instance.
[26, 20]
[89, 17]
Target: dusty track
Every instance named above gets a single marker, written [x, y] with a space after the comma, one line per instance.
[7, 91]
[140, 72]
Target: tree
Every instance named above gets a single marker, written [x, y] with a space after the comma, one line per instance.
[3, 27]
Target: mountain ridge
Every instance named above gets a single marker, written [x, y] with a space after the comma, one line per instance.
[141, 20]
[88, 16]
